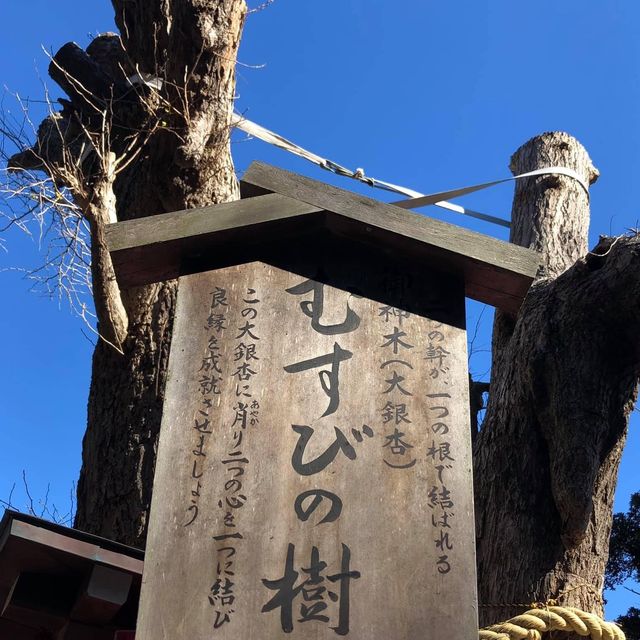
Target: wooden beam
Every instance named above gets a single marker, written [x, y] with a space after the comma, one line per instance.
[151, 249]
[495, 272]
[19, 532]
[157, 248]
[104, 593]
[43, 567]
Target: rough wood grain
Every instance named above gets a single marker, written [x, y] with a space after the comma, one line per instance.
[145, 250]
[154, 248]
[564, 380]
[391, 518]
[186, 163]
[204, 223]
[494, 272]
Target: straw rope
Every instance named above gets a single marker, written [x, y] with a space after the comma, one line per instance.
[532, 624]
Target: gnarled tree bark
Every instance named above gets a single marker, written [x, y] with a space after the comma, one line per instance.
[189, 46]
[162, 96]
[564, 380]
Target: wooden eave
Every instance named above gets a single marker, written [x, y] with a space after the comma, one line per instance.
[155, 248]
[64, 581]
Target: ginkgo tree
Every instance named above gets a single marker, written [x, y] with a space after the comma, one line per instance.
[145, 128]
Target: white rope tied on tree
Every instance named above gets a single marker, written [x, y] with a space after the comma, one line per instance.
[415, 198]
[532, 624]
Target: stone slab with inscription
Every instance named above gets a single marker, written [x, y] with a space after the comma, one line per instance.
[314, 468]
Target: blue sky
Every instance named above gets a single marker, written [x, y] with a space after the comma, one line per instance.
[431, 95]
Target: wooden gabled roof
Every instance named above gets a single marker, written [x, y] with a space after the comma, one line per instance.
[54, 578]
[156, 248]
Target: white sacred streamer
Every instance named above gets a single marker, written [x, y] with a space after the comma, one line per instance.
[415, 198]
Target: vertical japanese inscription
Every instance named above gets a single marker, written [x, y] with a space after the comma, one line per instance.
[244, 417]
[396, 352]
[440, 452]
[399, 354]
[322, 485]
[313, 596]
[210, 386]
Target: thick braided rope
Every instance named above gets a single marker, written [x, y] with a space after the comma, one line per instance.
[532, 624]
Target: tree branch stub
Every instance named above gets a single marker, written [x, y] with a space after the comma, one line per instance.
[551, 212]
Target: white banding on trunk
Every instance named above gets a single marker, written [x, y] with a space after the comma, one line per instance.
[415, 198]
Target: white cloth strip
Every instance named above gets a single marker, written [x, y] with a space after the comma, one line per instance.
[415, 199]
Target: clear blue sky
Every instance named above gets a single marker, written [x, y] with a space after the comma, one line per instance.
[431, 95]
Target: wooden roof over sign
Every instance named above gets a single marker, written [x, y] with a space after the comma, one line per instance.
[287, 205]
[54, 578]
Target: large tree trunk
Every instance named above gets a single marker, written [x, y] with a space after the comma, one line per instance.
[185, 163]
[563, 383]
